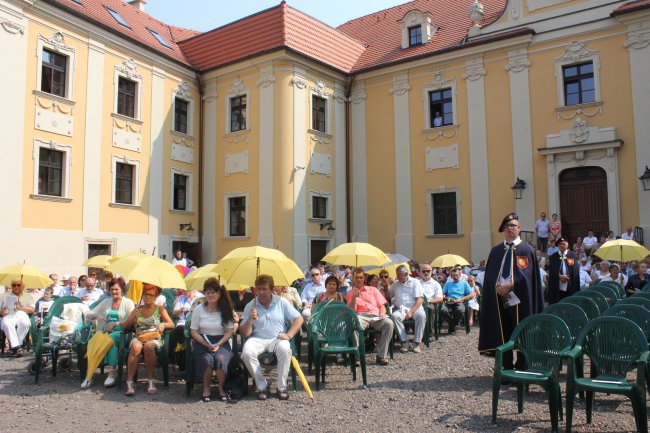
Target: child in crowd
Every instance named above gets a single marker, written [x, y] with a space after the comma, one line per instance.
[43, 305]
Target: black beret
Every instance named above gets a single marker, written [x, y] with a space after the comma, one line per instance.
[511, 216]
[561, 240]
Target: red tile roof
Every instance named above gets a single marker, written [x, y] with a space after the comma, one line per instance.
[275, 28]
[139, 21]
[632, 6]
[381, 30]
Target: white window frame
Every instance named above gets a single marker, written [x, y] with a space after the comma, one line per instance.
[416, 18]
[328, 196]
[184, 92]
[439, 84]
[226, 214]
[576, 53]
[136, 179]
[128, 70]
[320, 90]
[188, 193]
[112, 243]
[429, 201]
[67, 166]
[238, 88]
[56, 44]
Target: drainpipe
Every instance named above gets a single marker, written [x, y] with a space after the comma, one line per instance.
[348, 158]
[199, 84]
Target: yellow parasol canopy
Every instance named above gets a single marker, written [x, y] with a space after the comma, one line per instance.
[195, 279]
[448, 261]
[148, 269]
[99, 262]
[98, 347]
[357, 254]
[242, 265]
[301, 375]
[621, 250]
[31, 277]
[396, 260]
[127, 254]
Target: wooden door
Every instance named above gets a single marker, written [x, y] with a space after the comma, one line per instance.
[318, 250]
[583, 202]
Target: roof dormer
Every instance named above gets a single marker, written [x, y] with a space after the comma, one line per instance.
[417, 28]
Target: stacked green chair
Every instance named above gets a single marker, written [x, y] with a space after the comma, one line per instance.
[614, 285]
[587, 305]
[635, 300]
[334, 331]
[543, 339]
[598, 298]
[614, 346]
[610, 294]
[43, 346]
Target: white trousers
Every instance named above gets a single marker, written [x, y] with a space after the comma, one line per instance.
[255, 347]
[420, 318]
[15, 326]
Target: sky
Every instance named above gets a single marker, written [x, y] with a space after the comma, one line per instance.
[205, 15]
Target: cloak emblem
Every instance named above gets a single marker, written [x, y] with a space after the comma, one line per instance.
[522, 262]
[570, 261]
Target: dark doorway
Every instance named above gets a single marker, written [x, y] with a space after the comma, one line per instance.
[191, 248]
[583, 202]
[318, 250]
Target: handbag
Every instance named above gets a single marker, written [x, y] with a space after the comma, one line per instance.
[148, 336]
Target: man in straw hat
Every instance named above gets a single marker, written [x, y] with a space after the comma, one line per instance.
[511, 290]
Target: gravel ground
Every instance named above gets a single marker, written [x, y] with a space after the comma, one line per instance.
[446, 388]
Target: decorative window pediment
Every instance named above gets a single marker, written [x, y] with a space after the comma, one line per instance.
[413, 19]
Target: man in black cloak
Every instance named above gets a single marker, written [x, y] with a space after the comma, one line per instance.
[512, 290]
[563, 273]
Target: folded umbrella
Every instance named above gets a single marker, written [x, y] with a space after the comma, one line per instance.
[300, 374]
[98, 346]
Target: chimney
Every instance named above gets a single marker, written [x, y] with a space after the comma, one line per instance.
[140, 4]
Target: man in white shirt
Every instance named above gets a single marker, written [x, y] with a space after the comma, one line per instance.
[585, 280]
[585, 265]
[628, 235]
[407, 298]
[542, 228]
[430, 287]
[71, 289]
[90, 294]
[56, 287]
[179, 259]
[311, 290]
[590, 242]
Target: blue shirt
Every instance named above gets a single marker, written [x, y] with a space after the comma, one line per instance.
[272, 321]
[457, 290]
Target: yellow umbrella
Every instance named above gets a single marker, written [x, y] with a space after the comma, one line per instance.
[148, 269]
[391, 269]
[31, 277]
[621, 250]
[98, 347]
[300, 374]
[99, 262]
[242, 265]
[195, 279]
[448, 261]
[135, 291]
[357, 254]
[126, 254]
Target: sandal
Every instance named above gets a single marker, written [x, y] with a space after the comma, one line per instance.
[282, 395]
[130, 390]
[223, 397]
[205, 399]
[262, 395]
[152, 388]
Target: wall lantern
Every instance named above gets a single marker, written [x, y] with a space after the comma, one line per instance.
[519, 188]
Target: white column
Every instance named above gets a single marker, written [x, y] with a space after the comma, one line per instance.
[210, 199]
[93, 139]
[359, 200]
[266, 157]
[300, 247]
[638, 45]
[13, 64]
[340, 170]
[522, 140]
[403, 201]
[481, 233]
[156, 176]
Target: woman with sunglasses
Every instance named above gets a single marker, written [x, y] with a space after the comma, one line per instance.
[383, 283]
[150, 321]
[15, 308]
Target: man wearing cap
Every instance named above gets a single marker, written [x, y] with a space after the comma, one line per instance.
[511, 290]
[563, 273]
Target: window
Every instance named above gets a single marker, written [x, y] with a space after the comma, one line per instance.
[319, 207]
[117, 17]
[180, 192]
[415, 35]
[53, 73]
[50, 172]
[579, 85]
[98, 250]
[159, 38]
[238, 113]
[180, 115]
[124, 183]
[441, 108]
[237, 216]
[318, 110]
[126, 91]
[444, 212]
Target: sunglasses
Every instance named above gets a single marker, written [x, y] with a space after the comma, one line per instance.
[315, 275]
[15, 285]
[383, 276]
[150, 295]
[426, 271]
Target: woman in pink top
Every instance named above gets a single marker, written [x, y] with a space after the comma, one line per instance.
[556, 228]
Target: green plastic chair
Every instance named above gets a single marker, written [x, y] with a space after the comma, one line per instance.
[614, 346]
[43, 345]
[614, 285]
[645, 295]
[610, 294]
[598, 298]
[314, 313]
[635, 313]
[573, 316]
[635, 300]
[333, 331]
[587, 305]
[543, 339]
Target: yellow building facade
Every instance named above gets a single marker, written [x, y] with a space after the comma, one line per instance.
[113, 143]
